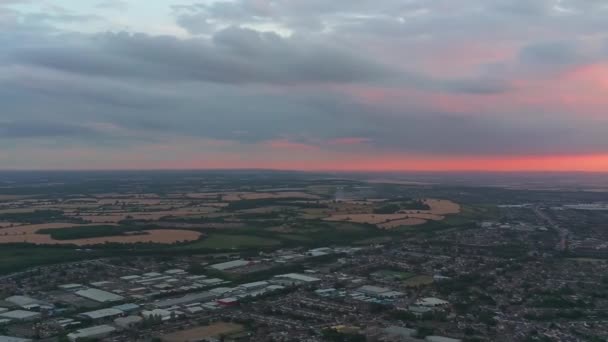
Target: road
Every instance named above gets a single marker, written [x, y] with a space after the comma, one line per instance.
[563, 232]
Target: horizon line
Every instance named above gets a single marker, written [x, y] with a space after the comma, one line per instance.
[301, 170]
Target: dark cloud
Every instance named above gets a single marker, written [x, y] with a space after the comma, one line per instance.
[252, 85]
[28, 129]
[237, 56]
[234, 55]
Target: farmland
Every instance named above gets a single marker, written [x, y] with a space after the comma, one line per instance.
[210, 212]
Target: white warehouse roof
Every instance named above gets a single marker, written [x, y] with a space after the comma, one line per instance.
[22, 300]
[230, 265]
[373, 289]
[92, 332]
[298, 277]
[99, 295]
[103, 313]
[430, 301]
[20, 314]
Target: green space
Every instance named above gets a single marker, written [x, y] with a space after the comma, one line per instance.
[36, 217]
[419, 280]
[18, 257]
[74, 233]
[295, 237]
[393, 206]
[227, 241]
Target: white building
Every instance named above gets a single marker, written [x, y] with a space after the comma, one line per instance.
[22, 301]
[99, 331]
[431, 301]
[20, 315]
[296, 278]
[103, 314]
[230, 265]
[99, 295]
[254, 286]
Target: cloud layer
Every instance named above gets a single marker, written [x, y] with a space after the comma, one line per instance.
[303, 83]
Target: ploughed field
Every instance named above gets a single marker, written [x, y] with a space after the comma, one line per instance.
[436, 211]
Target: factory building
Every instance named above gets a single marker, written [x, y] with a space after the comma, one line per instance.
[102, 314]
[225, 266]
[99, 331]
[379, 292]
[293, 279]
[20, 315]
[99, 295]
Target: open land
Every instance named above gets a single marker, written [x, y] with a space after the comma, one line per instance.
[199, 333]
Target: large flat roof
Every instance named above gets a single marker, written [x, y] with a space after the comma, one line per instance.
[19, 314]
[91, 332]
[187, 299]
[103, 313]
[22, 300]
[230, 265]
[299, 277]
[99, 295]
[373, 289]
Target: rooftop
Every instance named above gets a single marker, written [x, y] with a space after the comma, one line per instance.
[103, 313]
[299, 277]
[99, 295]
[19, 314]
[22, 300]
[92, 331]
[230, 265]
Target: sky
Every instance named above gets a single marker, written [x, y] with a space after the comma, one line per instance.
[382, 85]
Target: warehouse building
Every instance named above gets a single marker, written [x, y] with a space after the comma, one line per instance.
[295, 279]
[99, 331]
[254, 286]
[430, 301]
[99, 295]
[102, 314]
[23, 301]
[225, 266]
[20, 315]
[187, 299]
[379, 292]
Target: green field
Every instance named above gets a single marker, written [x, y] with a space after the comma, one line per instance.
[226, 241]
[420, 280]
[17, 258]
[73, 233]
